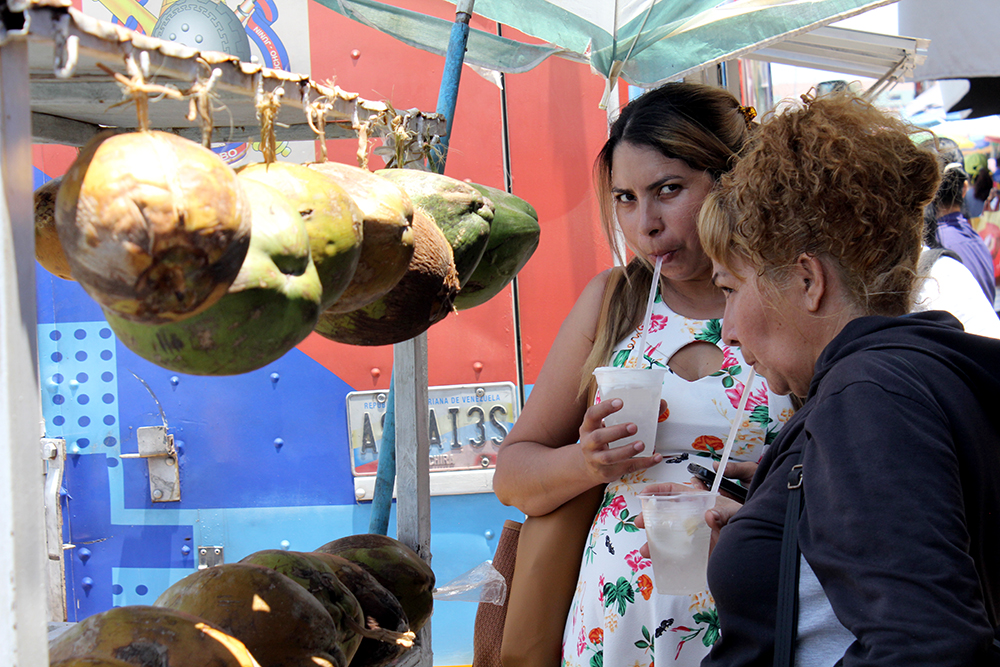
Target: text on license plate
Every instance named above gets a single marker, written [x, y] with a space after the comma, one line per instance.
[466, 424]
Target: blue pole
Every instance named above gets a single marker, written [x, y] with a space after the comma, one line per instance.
[385, 476]
[448, 92]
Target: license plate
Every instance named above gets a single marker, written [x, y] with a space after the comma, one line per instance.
[466, 424]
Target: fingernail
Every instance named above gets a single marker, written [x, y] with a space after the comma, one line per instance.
[632, 429]
[616, 403]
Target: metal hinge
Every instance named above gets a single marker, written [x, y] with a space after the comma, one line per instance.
[157, 447]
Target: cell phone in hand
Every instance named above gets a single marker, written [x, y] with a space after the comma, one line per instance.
[708, 477]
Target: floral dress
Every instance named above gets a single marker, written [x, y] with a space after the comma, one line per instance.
[617, 618]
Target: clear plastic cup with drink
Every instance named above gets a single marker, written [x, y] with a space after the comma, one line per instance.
[678, 539]
[639, 390]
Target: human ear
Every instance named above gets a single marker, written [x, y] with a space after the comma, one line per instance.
[811, 277]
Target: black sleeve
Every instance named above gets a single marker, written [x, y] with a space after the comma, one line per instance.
[884, 527]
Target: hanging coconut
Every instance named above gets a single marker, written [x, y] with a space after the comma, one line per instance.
[333, 221]
[387, 244]
[269, 309]
[422, 297]
[48, 248]
[514, 235]
[155, 227]
[461, 211]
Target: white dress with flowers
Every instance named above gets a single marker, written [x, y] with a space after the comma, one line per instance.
[617, 618]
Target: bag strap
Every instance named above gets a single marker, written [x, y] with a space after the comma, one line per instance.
[786, 623]
[616, 275]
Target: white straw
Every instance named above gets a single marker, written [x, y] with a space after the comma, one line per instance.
[733, 429]
[649, 309]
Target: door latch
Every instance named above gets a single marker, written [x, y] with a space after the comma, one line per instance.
[157, 447]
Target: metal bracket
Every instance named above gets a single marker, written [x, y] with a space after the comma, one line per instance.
[54, 457]
[210, 557]
[157, 447]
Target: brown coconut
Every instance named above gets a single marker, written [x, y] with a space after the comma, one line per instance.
[423, 296]
[280, 622]
[144, 636]
[48, 248]
[387, 246]
[155, 227]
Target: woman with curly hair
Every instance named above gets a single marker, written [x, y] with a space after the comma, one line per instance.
[814, 238]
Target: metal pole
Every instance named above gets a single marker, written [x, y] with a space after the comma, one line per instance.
[448, 92]
[385, 476]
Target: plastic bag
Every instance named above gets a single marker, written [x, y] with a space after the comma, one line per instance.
[482, 583]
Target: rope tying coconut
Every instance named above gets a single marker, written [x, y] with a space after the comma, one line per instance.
[200, 97]
[135, 89]
[268, 105]
[316, 117]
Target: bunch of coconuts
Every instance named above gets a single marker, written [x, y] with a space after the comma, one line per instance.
[205, 270]
[357, 601]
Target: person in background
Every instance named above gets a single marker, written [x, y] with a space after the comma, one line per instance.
[664, 154]
[815, 238]
[955, 233]
[981, 180]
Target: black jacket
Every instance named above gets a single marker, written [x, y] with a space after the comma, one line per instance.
[900, 443]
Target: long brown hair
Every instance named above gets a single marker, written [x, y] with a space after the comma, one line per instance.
[698, 124]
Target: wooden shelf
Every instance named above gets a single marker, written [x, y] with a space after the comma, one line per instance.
[72, 98]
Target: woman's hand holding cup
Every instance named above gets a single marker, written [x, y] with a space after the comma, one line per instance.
[603, 463]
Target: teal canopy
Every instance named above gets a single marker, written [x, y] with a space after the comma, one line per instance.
[644, 42]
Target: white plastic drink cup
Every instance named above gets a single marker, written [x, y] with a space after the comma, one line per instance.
[678, 539]
[639, 390]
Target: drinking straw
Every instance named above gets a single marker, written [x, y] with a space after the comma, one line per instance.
[649, 309]
[732, 431]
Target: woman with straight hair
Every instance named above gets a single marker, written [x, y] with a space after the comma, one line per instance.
[664, 154]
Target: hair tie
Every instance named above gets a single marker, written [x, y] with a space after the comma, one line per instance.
[954, 165]
[749, 113]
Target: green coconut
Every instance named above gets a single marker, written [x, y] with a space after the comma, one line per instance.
[387, 244]
[423, 296]
[270, 308]
[514, 237]
[322, 582]
[154, 226]
[142, 636]
[278, 620]
[380, 606]
[461, 211]
[395, 566]
[334, 222]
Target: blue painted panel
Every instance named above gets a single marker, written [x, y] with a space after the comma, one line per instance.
[61, 300]
[101, 545]
[275, 437]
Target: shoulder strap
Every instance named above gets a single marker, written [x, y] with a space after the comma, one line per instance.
[931, 255]
[786, 622]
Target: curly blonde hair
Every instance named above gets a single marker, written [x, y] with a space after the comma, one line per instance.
[833, 177]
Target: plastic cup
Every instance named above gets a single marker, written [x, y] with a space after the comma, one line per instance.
[639, 390]
[678, 539]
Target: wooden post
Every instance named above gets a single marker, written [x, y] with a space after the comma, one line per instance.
[413, 494]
